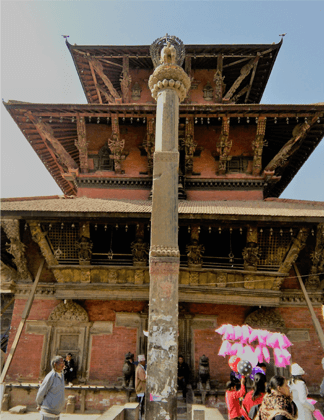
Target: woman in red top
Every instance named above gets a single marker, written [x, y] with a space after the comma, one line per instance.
[255, 396]
[232, 399]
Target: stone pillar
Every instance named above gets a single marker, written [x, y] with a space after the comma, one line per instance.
[169, 85]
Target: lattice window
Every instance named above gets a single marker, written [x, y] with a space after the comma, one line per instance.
[237, 164]
[64, 236]
[273, 245]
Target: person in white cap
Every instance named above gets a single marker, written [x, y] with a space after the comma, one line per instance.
[299, 391]
[140, 383]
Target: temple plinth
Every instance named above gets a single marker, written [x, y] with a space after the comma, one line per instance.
[169, 84]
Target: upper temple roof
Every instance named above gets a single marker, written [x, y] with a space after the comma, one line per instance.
[230, 59]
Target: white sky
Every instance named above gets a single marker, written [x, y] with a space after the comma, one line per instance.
[37, 67]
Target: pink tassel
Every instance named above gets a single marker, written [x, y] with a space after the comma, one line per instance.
[245, 334]
[263, 335]
[232, 351]
[266, 354]
[258, 352]
[285, 342]
[279, 358]
[254, 336]
[221, 330]
[287, 356]
[237, 348]
[273, 340]
[229, 333]
[238, 332]
[225, 348]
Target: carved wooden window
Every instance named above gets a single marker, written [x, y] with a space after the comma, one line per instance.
[237, 164]
[104, 163]
[63, 237]
[273, 245]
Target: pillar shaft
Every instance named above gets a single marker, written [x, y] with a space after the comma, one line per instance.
[169, 85]
[161, 390]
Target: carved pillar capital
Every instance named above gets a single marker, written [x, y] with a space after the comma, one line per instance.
[40, 238]
[16, 248]
[169, 76]
[298, 244]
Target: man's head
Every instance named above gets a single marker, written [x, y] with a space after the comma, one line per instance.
[180, 359]
[57, 363]
[141, 359]
[68, 356]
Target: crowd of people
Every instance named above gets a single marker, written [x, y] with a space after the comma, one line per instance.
[280, 399]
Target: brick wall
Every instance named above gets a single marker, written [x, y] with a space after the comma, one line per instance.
[25, 364]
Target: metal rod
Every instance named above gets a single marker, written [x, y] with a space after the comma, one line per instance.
[316, 323]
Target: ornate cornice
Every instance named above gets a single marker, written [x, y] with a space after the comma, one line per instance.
[224, 184]
[136, 183]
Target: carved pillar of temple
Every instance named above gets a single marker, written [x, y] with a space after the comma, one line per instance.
[16, 248]
[251, 254]
[169, 85]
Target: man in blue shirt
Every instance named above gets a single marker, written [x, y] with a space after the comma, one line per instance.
[50, 396]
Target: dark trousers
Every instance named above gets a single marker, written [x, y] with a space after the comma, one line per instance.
[182, 384]
[141, 401]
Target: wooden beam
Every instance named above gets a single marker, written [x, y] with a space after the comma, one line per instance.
[297, 245]
[257, 146]
[47, 133]
[316, 323]
[82, 144]
[292, 145]
[219, 79]
[99, 69]
[245, 70]
[24, 317]
[125, 80]
[236, 62]
[95, 81]
[3, 310]
[251, 80]
[110, 99]
[188, 65]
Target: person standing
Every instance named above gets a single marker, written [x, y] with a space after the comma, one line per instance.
[183, 375]
[299, 391]
[50, 396]
[254, 397]
[69, 369]
[277, 404]
[232, 399]
[140, 384]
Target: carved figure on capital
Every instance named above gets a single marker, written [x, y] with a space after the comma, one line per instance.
[149, 146]
[116, 147]
[168, 72]
[16, 248]
[251, 256]
[224, 146]
[194, 253]
[140, 251]
[317, 256]
[84, 246]
[189, 146]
